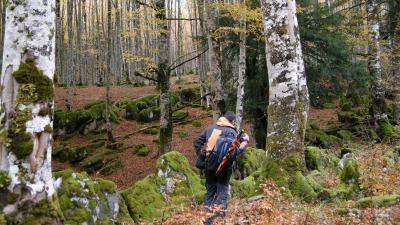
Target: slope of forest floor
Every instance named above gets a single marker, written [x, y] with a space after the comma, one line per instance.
[137, 167]
[275, 207]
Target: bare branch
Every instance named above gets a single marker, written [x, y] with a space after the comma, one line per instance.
[188, 19]
[186, 61]
[145, 77]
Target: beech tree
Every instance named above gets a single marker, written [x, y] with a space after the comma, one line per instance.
[375, 64]
[288, 93]
[217, 101]
[395, 26]
[26, 107]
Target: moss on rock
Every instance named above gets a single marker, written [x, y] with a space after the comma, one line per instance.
[179, 116]
[350, 173]
[83, 200]
[144, 201]
[320, 138]
[175, 183]
[141, 150]
[313, 158]
[250, 161]
[245, 188]
[385, 200]
[345, 135]
[299, 186]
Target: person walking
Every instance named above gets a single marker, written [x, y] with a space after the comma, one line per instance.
[217, 185]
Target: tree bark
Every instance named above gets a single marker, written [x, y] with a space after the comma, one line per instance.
[396, 60]
[26, 107]
[242, 71]
[163, 77]
[288, 95]
[374, 62]
[108, 72]
[218, 101]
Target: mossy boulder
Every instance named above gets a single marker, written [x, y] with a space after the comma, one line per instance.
[391, 156]
[384, 200]
[175, 182]
[350, 172]
[189, 95]
[179, 116]
[386, 130]
[318, 137]
[196, 124]
[313, 158]
[152, 131]
[72, 154]
[105, 161]
[300, 186]
[84, 200]
[345, 135]
[245, 188]
[249, 162]
[141, 150]
[149, 114]
[83, 120]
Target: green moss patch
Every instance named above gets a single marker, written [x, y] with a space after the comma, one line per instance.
[141, 150]
[250, 161]
[350, 173]
[105, 161]
[385, 200]
[33, 85]
[152, 131]
[182, 133]
[245, 188]
[4, 180]
[313, 158]
[152, 199]
[196, 124]
[82, 199]
[179, 116]
[317, 137]
[299, 186]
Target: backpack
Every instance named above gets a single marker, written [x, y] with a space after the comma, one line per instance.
[218, 152]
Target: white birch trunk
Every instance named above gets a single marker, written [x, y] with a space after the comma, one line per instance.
[374, 60]
[288, 95]
[242, 72]
[29, 40]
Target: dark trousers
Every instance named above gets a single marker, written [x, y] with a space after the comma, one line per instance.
[216, 199]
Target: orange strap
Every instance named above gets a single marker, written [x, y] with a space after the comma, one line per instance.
[213, 140]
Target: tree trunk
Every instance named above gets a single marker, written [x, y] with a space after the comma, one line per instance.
[374, 63]
[163, 77]
[396, 59]
[27, 112]
[288, 95]
[108, 72]
[242, 71]
[69, 76]
[218, 101]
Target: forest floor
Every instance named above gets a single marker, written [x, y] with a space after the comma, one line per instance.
[275, 207]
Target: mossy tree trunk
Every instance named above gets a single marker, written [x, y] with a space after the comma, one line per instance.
[374, 61]
[27, 112]
[108, 72]
[396, 60]
[163, 78]
[217, 101]
[242, 70]
[288, 94]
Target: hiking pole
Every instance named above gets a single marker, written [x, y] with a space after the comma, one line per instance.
[228, 154]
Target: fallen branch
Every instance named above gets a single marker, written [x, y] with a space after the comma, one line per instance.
[201, 116]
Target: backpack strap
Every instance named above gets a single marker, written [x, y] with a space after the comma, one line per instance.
[212, 140]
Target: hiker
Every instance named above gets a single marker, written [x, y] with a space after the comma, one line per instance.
[217, 186]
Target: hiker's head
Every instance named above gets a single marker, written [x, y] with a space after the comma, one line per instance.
[230, 116]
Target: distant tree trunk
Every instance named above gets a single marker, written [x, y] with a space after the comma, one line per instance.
[26, 107]
[203, 68]
[108, 72]
[2, 23]
[396, 61]
[69, 76]
[374, 61]
[242, 71]
[218, 101]
[288, 94]
[163, 77]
